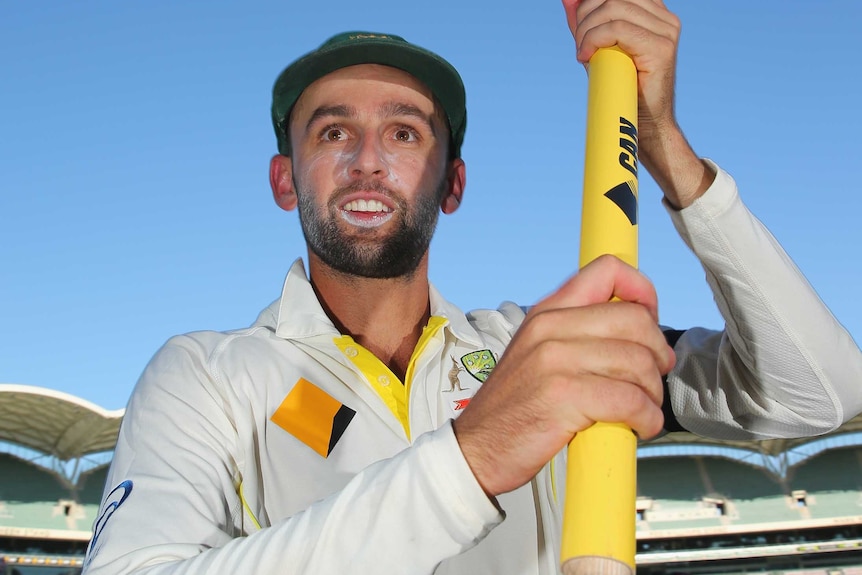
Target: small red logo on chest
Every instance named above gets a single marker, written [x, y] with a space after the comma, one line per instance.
[461, 403]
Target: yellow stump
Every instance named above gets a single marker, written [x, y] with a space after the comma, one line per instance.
[599, 514]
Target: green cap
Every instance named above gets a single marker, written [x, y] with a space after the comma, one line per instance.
[351, 48]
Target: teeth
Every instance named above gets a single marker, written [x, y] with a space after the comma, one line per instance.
[366, 206]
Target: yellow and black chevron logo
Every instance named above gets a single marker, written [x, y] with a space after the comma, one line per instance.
[313, 416]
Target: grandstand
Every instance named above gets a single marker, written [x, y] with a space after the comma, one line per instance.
[780, 507]
[777, 506]
[53, 460]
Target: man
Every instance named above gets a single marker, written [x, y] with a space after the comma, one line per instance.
[331, 437]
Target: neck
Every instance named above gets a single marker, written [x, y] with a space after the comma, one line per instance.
[385, 316]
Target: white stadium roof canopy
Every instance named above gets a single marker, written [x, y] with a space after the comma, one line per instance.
[55, 423]
[769, 447]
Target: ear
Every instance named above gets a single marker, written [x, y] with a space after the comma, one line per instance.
[455, 183]
[281, 182]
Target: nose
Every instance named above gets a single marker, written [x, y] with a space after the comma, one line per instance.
[368, 158]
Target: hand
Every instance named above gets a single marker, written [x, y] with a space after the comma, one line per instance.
[648, 32]
[576, 359]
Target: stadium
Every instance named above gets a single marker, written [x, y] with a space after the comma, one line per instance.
[782, 507]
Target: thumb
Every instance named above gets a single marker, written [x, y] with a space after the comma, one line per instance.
[605, 278]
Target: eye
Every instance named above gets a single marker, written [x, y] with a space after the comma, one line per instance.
[333, 134]
[405, 135]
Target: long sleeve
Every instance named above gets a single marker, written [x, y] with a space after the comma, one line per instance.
[172, 504]
[783, 366]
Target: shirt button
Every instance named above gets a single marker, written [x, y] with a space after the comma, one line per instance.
[351, 351]
[383, 380]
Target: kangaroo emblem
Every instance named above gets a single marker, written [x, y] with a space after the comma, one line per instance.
[453, 376]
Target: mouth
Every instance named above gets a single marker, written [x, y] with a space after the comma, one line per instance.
[366, 212]
[369, 206]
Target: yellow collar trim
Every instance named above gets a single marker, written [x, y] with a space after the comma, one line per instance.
[391, 390]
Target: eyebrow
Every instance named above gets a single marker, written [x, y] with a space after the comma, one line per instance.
[391, 109]
[387, 110]
[338, 110]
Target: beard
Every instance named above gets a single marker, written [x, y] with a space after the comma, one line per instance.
[395, 255]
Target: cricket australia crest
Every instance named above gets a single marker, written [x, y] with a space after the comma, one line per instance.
[479, 364]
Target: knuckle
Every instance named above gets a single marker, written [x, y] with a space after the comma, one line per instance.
[548, 353]
[675, 22]
[608, 260]
[642, 315]
[641, 34]
[644, 414]
[668, 45]
[633, 401]
[642, 360]
[656, 424]
[631, 11]
[559, 390]
[535, 327]
[638, 317]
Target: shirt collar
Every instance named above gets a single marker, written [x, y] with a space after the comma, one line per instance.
[458, 324]
[298, 314]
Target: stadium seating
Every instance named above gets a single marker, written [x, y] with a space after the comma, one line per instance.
[697, 513]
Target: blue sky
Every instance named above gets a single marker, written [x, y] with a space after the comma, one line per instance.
[135, 141]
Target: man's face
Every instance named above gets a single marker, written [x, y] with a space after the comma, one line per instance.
[369, 169]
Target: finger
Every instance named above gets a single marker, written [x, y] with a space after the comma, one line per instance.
[624, 9]
[637, 363]
[644, 47]
[613, 401]
[631, 24]
[618, 321]
[571, 7]
[605, 278]
[619, 360]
